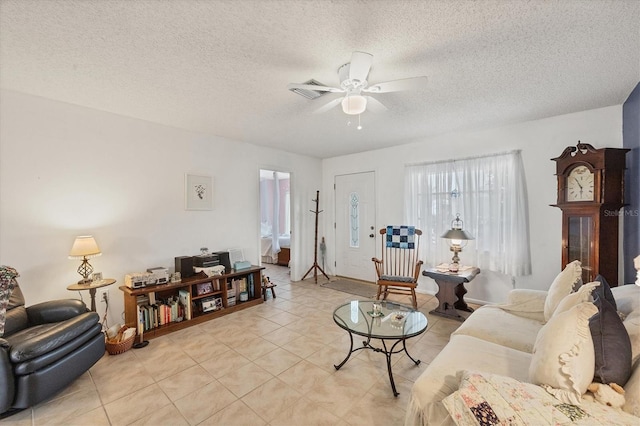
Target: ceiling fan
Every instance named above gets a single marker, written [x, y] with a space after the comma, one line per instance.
[354, 84]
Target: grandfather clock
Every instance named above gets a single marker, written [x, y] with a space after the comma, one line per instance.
[590, 195]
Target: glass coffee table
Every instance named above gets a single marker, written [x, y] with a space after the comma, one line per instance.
[392, 322]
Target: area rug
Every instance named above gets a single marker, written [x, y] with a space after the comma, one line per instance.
[353, 287]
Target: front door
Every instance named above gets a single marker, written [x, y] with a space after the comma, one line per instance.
[355, 225]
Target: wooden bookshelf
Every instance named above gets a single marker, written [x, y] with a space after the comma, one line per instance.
[219, 288]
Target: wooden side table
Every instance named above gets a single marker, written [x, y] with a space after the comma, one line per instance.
[451, 292]
[92, 289]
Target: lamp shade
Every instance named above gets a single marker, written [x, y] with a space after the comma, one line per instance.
[457, 234]
[354, 104]
[84, 246]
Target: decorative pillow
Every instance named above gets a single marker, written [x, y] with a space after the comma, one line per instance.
[490, 399]
[604, 291]
[582, 295]
[563, 357]
[562, 286]
[611, 344]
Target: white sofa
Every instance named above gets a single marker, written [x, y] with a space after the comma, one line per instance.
[499, 340]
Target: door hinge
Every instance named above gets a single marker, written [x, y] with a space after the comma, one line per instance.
[335, 264]
[334, 186]
[334, 225]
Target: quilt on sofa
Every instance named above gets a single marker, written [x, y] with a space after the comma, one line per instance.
[489, 399]
[499, 340]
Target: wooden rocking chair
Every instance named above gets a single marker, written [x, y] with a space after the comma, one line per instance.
[399, 268]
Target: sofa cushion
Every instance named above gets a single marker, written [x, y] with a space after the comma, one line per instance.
[41, 339]
[16, 319]
[39, 363]
[439, 378]
[632, 392]
[632, 324]
[16, 316]
[520, 334]
[627, 298]
[526, 303]
[488, 399]
[563, 355]
[611, 344]
[628, 302]
[562, 285]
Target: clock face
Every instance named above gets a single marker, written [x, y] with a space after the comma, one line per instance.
[580, 184]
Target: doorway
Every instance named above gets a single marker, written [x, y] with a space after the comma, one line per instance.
[275, 217]
[355, 225]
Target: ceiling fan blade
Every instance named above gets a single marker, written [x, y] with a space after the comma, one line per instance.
[375, 105]
[360, 65]
[397, 85]
[326, 107]
[314, 87]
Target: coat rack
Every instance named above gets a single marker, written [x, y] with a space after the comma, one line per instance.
[315, 267]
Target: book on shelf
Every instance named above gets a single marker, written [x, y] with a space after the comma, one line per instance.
[252, 291]
[238, 285]
[175, 314]
[154, 312]
[140, 318]
[165, 310]
[184, 296]
[162, 310]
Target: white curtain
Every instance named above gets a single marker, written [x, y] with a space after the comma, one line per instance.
[489, 193]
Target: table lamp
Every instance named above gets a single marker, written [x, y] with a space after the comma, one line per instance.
[457, 240]
[84, 247]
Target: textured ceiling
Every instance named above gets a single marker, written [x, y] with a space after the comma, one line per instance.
[222, 67]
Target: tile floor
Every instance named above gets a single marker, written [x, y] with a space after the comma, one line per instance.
[261, 366]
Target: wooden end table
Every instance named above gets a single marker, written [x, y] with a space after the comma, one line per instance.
[451, 292]
[92, 286]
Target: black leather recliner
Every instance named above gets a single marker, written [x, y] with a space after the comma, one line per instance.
[44, 348]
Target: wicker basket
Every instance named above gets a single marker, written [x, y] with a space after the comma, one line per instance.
[119, 348]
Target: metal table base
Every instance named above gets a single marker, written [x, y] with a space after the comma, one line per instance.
[366, 344]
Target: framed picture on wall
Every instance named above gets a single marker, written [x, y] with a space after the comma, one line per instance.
[198, 191]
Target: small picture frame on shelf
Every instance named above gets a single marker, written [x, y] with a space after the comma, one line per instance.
[96, 277]
[208, 304]
[204, 288]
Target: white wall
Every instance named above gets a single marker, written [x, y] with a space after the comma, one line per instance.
[539, 141]
[67, 170]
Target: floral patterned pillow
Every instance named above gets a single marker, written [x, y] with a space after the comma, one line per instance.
[489, 399]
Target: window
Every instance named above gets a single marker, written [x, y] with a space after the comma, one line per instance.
[354, 220]
[490, 195]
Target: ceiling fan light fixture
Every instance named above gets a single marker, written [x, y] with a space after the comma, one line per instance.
[354, 104]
